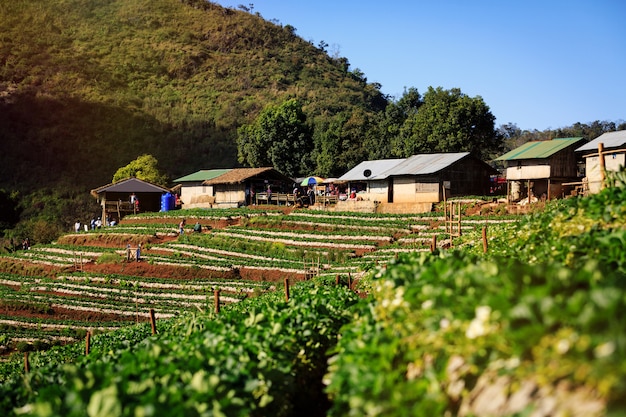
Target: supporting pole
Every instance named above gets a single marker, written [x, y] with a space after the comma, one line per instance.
[445, 214]
[287, 289]
[26, 363]
[459, 220]
[87, 343]
[433, 244]
[602, 165]
[549, 189]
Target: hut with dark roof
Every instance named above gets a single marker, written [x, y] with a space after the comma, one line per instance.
[115, 198]
[243, 186]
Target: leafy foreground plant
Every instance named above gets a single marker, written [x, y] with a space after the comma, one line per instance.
[532, 328]
[458, 335]
[262, 357]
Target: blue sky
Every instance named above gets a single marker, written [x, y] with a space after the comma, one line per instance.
[537, 63]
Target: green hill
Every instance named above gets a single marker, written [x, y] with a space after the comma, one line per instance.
[87, 86]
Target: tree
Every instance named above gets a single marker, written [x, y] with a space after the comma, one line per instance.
[346, 140]
[279, 137]
[145, 167]
[449, 121]
[395, 116]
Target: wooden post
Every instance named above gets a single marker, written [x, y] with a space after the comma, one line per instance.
[349, 280]
[216, 294]
[152, 321]
[87, 342]
[485, 239]
[433, 243]
[337, 280]
[459, 220]
[445, 214]
[26, 363]
[287, 289]
[602, 165]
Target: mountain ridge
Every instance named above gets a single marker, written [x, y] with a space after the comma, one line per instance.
[87, 86]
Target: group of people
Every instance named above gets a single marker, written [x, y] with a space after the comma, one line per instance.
[137, 253]
[197, 228]
[305, 199]
[134, 202]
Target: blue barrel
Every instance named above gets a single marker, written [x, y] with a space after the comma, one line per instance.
[167, 202]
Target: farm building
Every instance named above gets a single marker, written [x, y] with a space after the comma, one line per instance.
[419, 179]
[128, 196]
[543, 167]
[613, 151]
[243, 186]
[193, 193]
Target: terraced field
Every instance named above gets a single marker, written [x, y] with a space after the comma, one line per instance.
[92, 281]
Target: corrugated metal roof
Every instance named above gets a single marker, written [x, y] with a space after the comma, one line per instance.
[539, 149]
[130, 185]
[424, 164]
[376, 168]
[609, 139]
[240, 175]
[202, 175]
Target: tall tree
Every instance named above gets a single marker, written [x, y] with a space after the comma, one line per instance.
[395, 116]
[349, 138]
[279, 137]
[449, 121]
[145, 167]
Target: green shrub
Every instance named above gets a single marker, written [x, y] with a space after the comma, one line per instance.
[110, 258]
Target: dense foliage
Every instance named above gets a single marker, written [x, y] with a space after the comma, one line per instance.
[531, 326]
[535, 320]
[261, 357]
[280, 138]
[145, 167]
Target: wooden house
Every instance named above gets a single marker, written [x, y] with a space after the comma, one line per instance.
[613, 145]
[420, 179]
[541, 168]
[245, 186]
[129, 196]
[193, 192]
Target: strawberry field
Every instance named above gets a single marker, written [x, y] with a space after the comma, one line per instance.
[373, 321]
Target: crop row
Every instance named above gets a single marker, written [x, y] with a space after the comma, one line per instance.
[264, 358]
[325, 243]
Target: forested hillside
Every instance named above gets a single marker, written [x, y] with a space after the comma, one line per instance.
[87, 86]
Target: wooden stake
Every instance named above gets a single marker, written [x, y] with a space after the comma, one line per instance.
[433, 244]
[152, 321]
[287, 289]
[485, 239]
[26, 363]
[216, 294]
[337, 280]
[87, 343]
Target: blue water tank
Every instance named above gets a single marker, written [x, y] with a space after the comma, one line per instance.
[167, 202]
